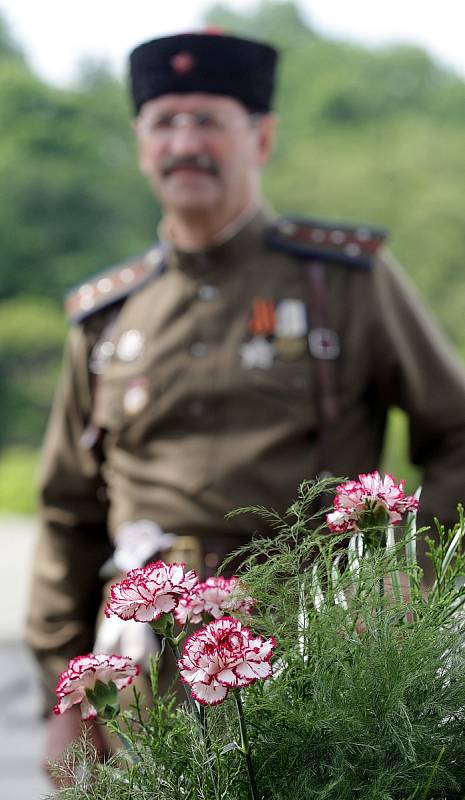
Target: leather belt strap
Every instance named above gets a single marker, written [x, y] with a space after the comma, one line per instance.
[324, 349]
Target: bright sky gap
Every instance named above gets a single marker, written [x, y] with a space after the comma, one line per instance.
[57, 36]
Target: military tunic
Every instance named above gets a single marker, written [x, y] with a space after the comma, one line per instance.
[196, 393]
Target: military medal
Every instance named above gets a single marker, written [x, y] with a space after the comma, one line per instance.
[290, 348]
[324, 344]
[130, 345]
[291, 329]
[136, 396]
[258, 353]
[263, 319]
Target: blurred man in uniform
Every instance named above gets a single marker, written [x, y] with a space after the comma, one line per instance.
[240, 355]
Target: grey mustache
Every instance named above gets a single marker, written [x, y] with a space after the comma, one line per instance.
[202, 162]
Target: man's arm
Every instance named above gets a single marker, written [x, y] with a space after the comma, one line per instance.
[66, 589]
[419, 372]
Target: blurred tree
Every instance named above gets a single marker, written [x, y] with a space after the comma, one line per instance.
[73, 201]
[365, 135]
[31, 337]
[281, 23]
[9, 49]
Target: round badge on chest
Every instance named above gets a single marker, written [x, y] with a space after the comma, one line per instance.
[130, 345]
[136, 396]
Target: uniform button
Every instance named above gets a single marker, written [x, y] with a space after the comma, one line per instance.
[287, 227]
[154, 257]
[338, 237]
[127, 275]
[352, 249]
[101, 353]
[199, 349]
[207, 292]
[106, 349]
[86, 303]
[104, 285]
[318, 235]
[196, 408]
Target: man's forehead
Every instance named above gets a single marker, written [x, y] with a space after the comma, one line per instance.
[192, 101]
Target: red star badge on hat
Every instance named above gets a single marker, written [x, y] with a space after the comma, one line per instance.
[183, 62]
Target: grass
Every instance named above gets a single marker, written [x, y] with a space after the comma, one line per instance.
[18, 480]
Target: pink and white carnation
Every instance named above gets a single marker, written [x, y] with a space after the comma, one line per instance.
[221, 656]
[216, 596]
[367, 500]
[148, 592]
[81, 676]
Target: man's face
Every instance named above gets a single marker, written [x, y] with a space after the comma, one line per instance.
[202, 152]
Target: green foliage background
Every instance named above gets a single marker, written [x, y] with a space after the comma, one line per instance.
[366, 135]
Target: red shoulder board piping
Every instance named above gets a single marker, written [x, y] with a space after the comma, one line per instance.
[312, 239]
[112, 285]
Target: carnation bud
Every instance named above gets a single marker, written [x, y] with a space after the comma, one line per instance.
[104, 698]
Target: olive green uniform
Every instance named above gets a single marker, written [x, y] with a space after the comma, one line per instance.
[205, 406]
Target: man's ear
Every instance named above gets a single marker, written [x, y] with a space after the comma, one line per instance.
[266, 132]
[141, 151]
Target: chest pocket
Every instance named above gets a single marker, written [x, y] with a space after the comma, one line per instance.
[135, 403]
[124, 395]
[282, 378]
[274, 393]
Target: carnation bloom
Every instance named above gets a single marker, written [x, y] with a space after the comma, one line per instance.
[215, 596]
[364, 502]
[221, 656]
[77, 682]
[148, 592]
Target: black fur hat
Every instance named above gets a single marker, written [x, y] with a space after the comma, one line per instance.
[208, 62]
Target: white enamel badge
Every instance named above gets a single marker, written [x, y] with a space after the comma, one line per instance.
[136, 396]
[258, 353]
[291, 329]
[291, 319]
[130, 345]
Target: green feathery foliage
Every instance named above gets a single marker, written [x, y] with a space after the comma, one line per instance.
[368, 695]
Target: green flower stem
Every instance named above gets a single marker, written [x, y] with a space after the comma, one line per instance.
[164, 627]
[375, 541]
[113, 727]
[127, 746]
[381, 587]
[198, 710]
[245, 744]
[207, 743]
[174, 644]
[203, 723]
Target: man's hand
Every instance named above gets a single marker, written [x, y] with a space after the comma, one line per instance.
[60, 731]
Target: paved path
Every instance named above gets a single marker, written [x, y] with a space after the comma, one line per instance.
[21, 729]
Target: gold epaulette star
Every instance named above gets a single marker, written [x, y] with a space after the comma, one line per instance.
[326, 241]
[113, 285]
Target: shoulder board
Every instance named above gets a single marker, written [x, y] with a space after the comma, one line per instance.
[114, 284]
[313, 239]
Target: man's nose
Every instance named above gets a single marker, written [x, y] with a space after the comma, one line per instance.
[186, 140]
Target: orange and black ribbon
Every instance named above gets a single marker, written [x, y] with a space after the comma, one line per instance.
[263, 319]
